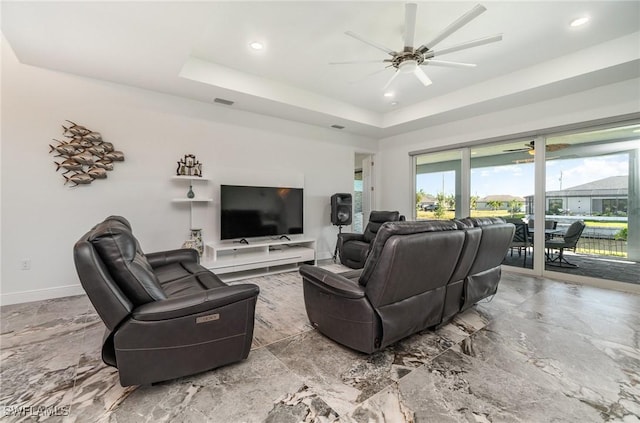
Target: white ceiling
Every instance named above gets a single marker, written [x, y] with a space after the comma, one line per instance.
[199, 50]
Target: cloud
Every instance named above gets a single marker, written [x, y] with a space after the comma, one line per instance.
[581, 171]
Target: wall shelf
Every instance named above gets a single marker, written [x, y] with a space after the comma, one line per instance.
[234, 261]
[189, 178]
[191, 201]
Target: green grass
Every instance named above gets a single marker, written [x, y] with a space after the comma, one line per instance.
[504, 213]
[618, 225]
[449, 214]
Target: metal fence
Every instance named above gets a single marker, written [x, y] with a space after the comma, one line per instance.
[596, 242]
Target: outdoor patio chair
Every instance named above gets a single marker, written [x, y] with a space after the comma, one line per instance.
[568, 241]
[520, 240]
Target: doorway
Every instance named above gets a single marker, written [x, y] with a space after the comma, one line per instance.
[362, 190]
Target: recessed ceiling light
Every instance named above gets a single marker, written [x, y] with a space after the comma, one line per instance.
[388, 94]
[579, 21]
[256, 45]
[394, 103]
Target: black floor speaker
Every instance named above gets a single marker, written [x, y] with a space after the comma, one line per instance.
[341, 209]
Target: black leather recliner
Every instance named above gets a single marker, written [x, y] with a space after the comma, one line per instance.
[354, 248]
[418, 275]
[166, 315]
[400, 291]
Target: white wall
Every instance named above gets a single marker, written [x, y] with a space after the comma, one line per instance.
[42, 218]
[395, 164]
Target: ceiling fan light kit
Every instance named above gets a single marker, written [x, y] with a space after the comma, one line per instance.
[530, 148]
[410, 60]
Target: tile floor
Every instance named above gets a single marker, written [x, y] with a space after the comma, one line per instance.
[540, 351]
[594, 266]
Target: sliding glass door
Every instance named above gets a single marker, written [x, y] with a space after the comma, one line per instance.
[592, 179]
[548, 183]
[502, 185]
[438, 184]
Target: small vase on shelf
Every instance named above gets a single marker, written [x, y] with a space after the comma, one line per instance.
[196, 237]
[190, 194]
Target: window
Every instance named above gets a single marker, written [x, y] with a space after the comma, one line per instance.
[502, 179]
[590, 175]
[438, 181]
[595, 173]
[357, 201]
[609, 206]
[554, 206]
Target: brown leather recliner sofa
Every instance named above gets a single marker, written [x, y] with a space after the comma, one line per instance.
[417, 275]
[166, 315]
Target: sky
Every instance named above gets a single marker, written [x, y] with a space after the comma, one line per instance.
[518, 179]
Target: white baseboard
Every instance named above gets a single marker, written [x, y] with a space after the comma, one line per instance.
[40, 294]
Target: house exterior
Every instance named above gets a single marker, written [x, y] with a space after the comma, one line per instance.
[604, 197]
[486, 203]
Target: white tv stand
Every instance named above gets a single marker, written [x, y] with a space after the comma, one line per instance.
[233, 261]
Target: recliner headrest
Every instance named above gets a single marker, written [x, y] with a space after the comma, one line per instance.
[384, 216]
[120, 252]
[482, 221]
[389, 229]
[376, 219]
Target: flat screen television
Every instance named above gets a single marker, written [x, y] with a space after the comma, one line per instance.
[251, 211]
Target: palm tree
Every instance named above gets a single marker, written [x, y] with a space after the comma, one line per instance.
[451, 202]
[474, 202]
[419, 196]
[440, 202]
[514, 206]
[494, 204]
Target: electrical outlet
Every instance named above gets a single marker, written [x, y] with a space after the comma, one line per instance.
[25, 264]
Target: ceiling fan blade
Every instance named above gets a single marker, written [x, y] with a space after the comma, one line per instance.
[419, 73]
[448, 64]
[459, 23]
[462, 46]
[409, 24]
[352, 62]
[367, 76]
[395, 74]
[556, 147]
[371, 43]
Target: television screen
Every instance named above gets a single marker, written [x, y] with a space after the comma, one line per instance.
[249, 211]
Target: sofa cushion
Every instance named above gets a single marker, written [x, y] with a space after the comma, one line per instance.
[482, 221]
[433, 258]
[121, 254]
[399, 228]
[185, 278]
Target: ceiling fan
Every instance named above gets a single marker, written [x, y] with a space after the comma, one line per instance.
[530, 147]
[410, 59]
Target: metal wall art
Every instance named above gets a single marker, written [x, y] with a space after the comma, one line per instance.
[84, 154]
[189, 166]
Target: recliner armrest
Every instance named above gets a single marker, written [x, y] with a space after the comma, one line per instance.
[344, 237]
[162, 258]
[331, 282]
[195, 303]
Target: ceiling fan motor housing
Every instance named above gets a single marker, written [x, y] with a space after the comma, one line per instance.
[406, 56]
